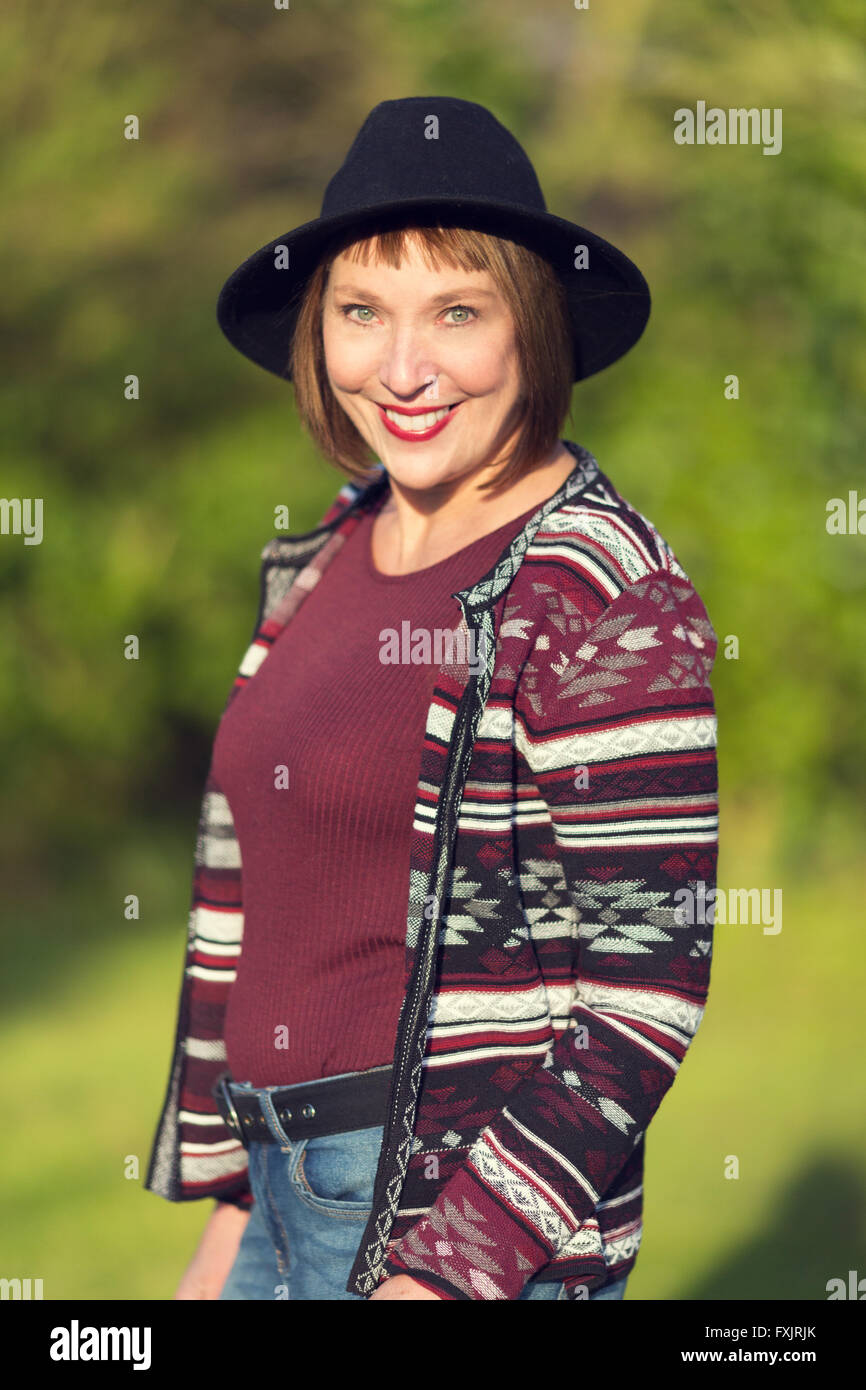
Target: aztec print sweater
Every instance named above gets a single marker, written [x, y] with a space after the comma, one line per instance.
[566, 817]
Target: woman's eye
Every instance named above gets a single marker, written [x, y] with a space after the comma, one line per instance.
[460, 309]
[349, 309]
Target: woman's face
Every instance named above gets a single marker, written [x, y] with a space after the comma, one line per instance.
[424, 362]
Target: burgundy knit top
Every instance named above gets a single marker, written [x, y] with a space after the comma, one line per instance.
[318, 757]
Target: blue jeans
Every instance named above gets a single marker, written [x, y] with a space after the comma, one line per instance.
[312, 1201]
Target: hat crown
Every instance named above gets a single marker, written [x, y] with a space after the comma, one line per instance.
[431, 148]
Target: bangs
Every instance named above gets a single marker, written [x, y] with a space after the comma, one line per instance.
[455, 247]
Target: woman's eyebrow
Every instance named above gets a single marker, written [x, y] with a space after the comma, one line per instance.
[447, 296]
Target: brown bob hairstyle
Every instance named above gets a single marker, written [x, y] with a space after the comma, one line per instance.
[535, 297]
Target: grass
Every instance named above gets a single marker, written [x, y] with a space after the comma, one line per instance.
[772, 1087]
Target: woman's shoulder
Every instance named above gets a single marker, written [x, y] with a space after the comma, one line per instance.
[594, 549]
[601, 586]
[347, 495]
[294, 546]
[601, 527]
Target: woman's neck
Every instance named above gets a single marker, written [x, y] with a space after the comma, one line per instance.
[407, 537]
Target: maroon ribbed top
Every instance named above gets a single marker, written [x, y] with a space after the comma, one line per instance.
[325, 860]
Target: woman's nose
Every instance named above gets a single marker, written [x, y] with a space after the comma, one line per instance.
[407, 366]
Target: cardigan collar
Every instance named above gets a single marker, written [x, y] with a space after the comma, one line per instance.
[296, 550]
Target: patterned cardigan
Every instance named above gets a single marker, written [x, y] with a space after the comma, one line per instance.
[555, 974]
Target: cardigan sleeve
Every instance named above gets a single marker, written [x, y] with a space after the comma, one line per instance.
[194, 1153]
[616, 728]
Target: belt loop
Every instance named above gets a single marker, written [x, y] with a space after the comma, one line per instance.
[234, 1119]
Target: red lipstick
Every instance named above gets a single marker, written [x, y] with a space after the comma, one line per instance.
[417, 436]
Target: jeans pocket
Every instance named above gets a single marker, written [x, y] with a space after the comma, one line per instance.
[336, 1173]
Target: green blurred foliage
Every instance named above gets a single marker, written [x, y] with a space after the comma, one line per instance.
[772, 1078]
[156, 510]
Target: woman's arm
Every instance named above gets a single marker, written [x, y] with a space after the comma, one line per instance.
[619, 737]
[215, 1253]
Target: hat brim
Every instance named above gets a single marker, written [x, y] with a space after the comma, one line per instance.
[609, 300]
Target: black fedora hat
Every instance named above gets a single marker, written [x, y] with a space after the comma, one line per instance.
[448, 162]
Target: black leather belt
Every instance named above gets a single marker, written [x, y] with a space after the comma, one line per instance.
[310, 1109]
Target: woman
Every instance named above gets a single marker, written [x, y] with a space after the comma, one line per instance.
[485, 673]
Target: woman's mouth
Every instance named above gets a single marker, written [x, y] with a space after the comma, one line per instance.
[418, 424]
